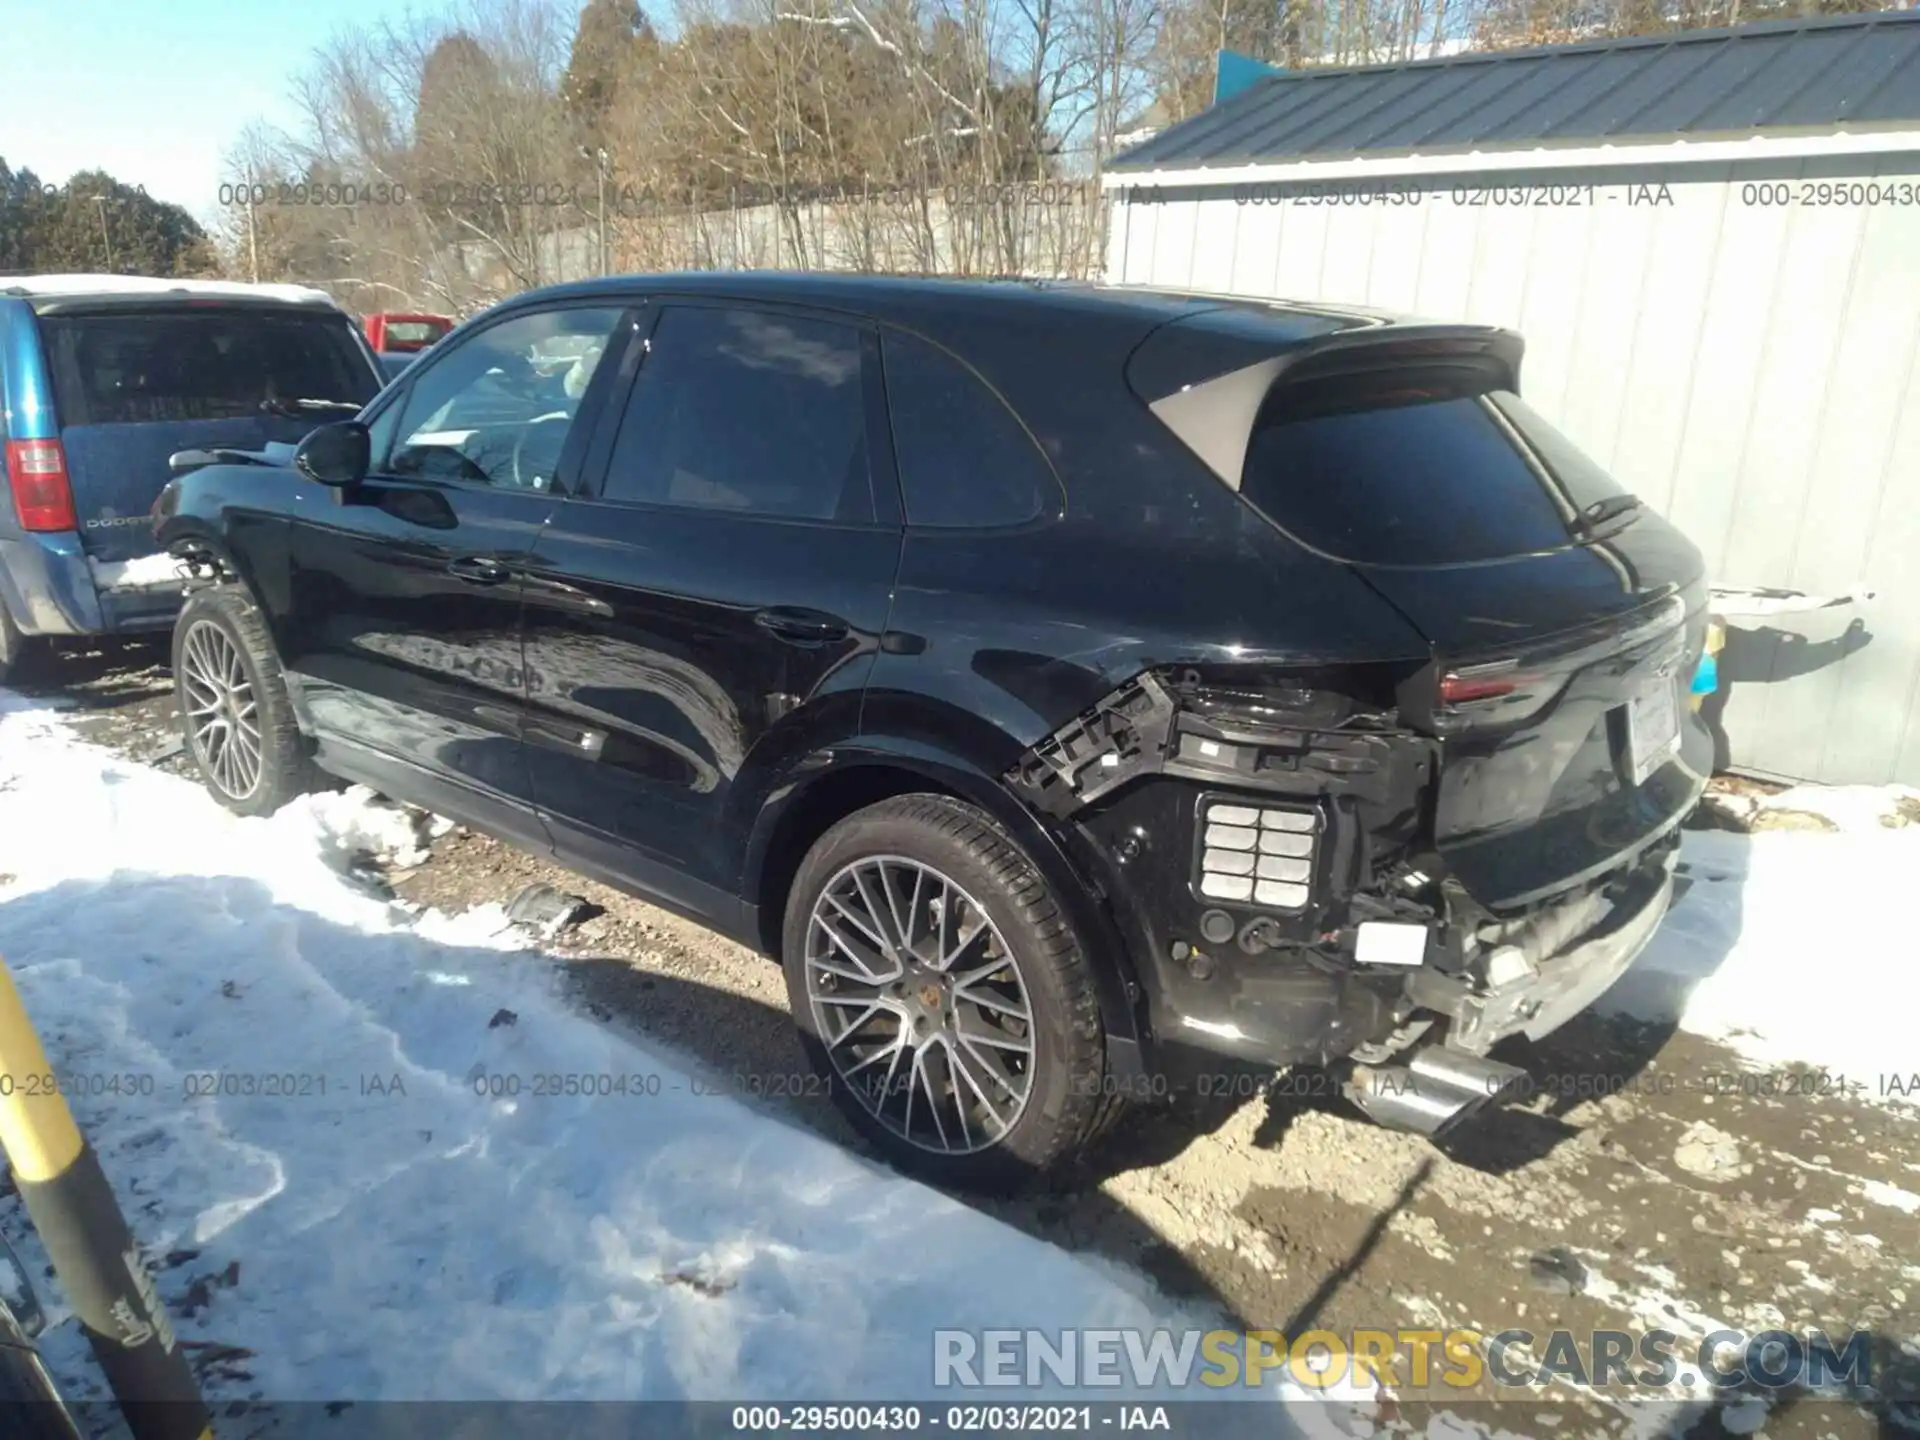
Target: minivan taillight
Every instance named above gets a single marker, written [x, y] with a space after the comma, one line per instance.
[42, 495]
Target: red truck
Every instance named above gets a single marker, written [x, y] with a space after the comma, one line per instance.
[396, 334]
[398, 338]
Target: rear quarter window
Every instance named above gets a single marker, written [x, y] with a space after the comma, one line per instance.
[1411, 468]
[965, 460]
[125, 367]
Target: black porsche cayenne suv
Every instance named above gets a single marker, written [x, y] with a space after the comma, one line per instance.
[1078, 689]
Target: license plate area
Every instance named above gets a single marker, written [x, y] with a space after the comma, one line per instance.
[1653, 728]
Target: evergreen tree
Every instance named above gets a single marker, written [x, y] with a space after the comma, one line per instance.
[96, 223]
[19, 204]
[613, 38]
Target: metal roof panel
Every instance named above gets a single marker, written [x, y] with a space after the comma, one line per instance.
[1858, 63]
[1397, 120]
[1897, 95]
[1796, 74]
[1581, 83]
[1509, 94]
[1274, 113]
[1342, 107]
[1636, 83]
[1730, 91]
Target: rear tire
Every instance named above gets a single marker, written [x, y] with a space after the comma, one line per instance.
[20, 655]
[235, 717]
[944, 995]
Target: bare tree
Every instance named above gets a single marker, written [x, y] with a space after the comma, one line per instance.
[496, 145]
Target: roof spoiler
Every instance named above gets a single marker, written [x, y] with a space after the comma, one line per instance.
[42, 304]
[1214, 416]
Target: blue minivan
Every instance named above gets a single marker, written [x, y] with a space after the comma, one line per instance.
[102, 378]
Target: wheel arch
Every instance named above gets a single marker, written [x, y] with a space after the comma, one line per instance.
[215, 568]
[193, 539]
[195, 518]
[851, 777]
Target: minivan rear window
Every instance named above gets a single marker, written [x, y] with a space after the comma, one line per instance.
[124, 367]
[1404, 467]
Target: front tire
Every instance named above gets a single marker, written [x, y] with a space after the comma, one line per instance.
[235, 717]
[941, 990]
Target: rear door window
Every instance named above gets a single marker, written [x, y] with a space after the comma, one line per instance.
[124, 367]
[1415, 468]
[747, 411]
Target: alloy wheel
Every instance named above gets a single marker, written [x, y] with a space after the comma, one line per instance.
[221, 712]
[920, 1004]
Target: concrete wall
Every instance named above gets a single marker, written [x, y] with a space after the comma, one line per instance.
[1044, 229]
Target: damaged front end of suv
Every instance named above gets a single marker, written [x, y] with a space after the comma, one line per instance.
[1268, 845]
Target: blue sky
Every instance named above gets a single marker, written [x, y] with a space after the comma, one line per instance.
[155, 91]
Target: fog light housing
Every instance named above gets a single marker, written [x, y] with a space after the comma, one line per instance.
[1258, 855]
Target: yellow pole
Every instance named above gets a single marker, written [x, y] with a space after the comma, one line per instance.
[93, 1252]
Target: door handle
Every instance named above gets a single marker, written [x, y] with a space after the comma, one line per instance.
[478, 570]
[558, 735]
[801, 627]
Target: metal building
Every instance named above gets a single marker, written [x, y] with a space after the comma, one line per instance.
[1711, 242]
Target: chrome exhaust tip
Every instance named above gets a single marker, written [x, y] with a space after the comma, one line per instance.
[1436, 1090]
[1491, 1081]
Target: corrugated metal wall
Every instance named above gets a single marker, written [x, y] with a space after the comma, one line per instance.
[1748, 368]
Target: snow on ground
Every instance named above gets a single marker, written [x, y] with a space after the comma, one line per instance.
[1850, 807]
[151, 285]
[144, 572]
[1792, 945]
[397, 1240]
[1841, 807]
[399, 1234]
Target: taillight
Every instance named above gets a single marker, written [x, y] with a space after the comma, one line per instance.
[1459, 689]
[1493, 692]
[42, 494]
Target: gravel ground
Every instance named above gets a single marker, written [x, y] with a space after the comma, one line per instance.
[1669, 1199]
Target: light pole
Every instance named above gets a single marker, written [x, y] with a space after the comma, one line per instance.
[106, 238]
[600, 167]
[253, 230]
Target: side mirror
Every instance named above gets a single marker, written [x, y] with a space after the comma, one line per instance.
[336, 455]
